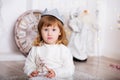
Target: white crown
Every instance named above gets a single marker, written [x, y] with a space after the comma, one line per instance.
[54, 13]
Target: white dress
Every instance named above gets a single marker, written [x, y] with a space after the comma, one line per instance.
[56, 57]
[82, 41]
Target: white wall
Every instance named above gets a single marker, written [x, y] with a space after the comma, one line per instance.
[10, 11]
[109, 14]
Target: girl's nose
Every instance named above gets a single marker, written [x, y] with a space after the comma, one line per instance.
[49, 32]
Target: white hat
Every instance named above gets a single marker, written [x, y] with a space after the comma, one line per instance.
[54, 13]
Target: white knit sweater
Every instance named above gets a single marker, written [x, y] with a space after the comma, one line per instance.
[56, 57]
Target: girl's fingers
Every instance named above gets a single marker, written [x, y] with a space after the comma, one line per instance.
[34, 75]
[35, 72]
[50, 74]
[30, 76]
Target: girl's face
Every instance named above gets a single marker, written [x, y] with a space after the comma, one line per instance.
[50, 34]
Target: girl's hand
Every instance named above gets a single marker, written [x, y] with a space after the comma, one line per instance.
[33, 74]
[50, 74]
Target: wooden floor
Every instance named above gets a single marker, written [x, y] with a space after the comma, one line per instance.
[101, 68]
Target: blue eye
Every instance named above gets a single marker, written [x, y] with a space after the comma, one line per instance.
[45, 29]
[54, 29]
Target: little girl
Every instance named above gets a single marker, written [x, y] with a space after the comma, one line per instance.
[51, 60]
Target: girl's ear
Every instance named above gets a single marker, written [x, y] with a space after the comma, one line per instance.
[59, 33]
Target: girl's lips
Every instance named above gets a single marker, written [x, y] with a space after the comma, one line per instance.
[49, 38]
